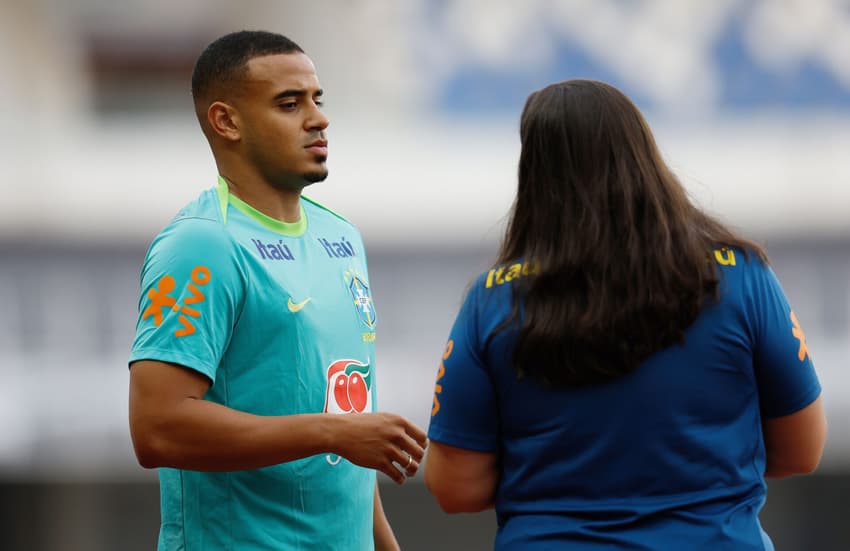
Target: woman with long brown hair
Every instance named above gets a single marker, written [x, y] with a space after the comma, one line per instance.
[629, 371]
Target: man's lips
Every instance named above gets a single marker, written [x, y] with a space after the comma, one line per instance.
[319, 147]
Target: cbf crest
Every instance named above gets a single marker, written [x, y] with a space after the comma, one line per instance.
[362, 298]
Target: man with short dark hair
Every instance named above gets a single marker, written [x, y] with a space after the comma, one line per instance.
[256, 325]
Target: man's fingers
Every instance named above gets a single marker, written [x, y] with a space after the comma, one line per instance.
[412, 448]
[392, 471]
[416, 439]
[405, 463]
[406, 448]
[412, 468]
[417, 434]
[409, 468]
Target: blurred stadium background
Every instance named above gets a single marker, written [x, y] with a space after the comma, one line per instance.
[750, 101]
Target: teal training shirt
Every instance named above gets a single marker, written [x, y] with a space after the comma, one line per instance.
[280, 318]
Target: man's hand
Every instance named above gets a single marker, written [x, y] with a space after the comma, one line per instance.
[382, 441]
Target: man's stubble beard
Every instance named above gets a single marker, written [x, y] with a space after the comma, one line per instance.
[306, 179]
[318, 175]
[280, 181]
[315, 177]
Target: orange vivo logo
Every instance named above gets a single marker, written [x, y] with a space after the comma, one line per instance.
[161, 300]
[797, 331]
[438, 388]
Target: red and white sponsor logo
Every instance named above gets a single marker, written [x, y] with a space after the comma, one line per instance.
[349, 387]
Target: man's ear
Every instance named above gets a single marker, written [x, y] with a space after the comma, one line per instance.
[224, 120]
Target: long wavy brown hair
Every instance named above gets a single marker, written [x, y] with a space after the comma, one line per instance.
[622, 259]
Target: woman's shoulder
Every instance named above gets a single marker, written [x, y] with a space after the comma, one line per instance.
[739, 259]
[500, 275]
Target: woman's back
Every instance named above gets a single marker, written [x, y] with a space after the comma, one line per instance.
[668, 456]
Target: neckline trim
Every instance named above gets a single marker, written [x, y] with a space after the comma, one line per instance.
[225, 199]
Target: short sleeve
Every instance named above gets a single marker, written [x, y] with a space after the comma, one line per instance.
[464, 411]
[786, 378]
[191, 289]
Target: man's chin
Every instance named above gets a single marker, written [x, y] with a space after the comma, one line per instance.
[314, 177]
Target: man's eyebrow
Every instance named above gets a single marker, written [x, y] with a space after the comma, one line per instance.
[296, 93]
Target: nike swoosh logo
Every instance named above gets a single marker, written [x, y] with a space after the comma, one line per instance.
[297, 306]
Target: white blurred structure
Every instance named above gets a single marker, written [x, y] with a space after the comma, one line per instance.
[750, 101]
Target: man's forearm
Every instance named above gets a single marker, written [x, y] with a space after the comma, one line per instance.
[204, 436]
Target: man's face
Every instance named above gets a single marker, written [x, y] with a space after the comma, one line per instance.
[283, 127]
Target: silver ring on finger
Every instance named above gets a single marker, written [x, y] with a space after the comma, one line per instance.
[409, 461]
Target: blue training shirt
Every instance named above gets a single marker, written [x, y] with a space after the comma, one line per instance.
[670, 456]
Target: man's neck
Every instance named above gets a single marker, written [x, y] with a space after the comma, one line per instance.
[280, 204]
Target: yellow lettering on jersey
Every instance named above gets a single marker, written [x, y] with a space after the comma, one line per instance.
[513, 272]
[498, 276]
[725, 256]
[368, 337]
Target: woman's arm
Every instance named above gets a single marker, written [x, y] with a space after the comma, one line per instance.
[794, 443]
[463, 481]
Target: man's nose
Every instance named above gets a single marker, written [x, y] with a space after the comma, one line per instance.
[318, 120]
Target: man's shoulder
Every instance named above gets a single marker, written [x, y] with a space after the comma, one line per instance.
[197, 226]
[311, 206]
[205, 206]
[202, 215]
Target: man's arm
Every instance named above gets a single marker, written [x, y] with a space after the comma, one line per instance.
[463, 481]
[383, 533]
[172, 426]
[794, 443]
